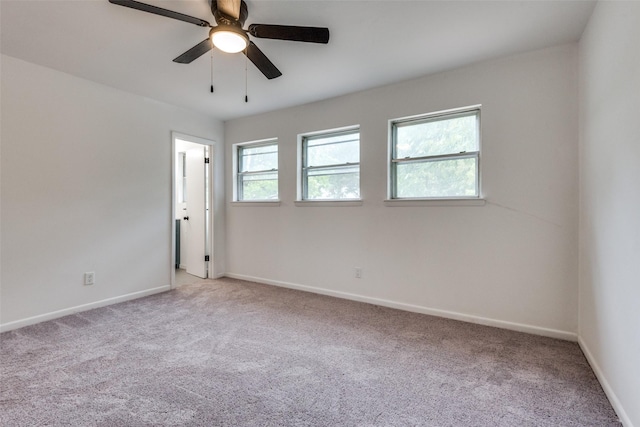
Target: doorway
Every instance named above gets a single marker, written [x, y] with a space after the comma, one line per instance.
[192, 218]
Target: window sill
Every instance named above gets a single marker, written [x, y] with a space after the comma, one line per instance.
[434, 202]
[328, 203]
[256, 203]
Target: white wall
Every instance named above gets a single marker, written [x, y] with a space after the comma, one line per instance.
[610, 202]
[512, 262]
[86, 186]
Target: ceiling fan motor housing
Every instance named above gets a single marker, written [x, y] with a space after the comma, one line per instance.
[223, 19]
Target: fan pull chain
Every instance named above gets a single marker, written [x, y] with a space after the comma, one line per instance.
[246, 84]
[211, 70]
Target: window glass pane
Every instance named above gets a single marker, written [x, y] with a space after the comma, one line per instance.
[260, 158]
[445, 178]
[260, 187]
[338, 183]
[333, 150]
[182, 196]
[436, 137]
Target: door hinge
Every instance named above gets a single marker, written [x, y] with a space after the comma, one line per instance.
[206, 160]
[206, 257]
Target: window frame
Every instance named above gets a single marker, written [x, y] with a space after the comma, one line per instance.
[303, 169]
[239, 175]
[393, 162]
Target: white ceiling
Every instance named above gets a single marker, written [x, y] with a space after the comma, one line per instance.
[372, 43]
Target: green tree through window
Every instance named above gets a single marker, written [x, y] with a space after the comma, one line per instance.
[436, 156]
[257, 172]
[331, 166]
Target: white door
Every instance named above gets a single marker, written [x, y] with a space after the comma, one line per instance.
[196, 212]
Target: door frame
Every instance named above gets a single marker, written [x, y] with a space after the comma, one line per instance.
[211, 205]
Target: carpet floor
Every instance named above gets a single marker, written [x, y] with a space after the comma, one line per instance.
[233, 353]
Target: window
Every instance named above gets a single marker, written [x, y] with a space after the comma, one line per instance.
[182, 173]
[436, 156]
[331, 165]
[257, 171]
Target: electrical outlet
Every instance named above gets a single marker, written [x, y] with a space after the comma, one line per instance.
[89, 278]
[358, 273]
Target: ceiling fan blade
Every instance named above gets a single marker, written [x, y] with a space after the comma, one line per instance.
[160, 11]
[229, 7]
[195, 52]
[288, 32]
[262, 62]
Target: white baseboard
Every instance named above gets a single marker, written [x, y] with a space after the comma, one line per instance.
[615, 402]
[77, 309]
[536, 330]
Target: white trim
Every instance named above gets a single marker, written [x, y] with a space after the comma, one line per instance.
[434, 114]
[328, 203]
[256, 203]
[79, 308]
[520, 327]
[434, 202]
[327, 131]
[172, 206]
[258, 142]
[613, 399]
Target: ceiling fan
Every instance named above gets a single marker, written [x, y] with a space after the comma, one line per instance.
[229, 36]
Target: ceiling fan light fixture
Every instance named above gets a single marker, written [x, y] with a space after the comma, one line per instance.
[229, 39]
[229, 36]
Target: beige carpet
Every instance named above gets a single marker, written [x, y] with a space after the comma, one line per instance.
[232, 353]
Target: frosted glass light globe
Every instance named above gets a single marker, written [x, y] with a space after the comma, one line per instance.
[228, 41]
